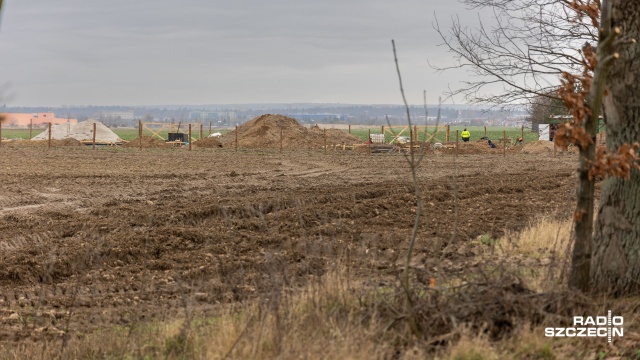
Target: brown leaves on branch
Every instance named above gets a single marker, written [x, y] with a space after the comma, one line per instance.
[589, 59]
[574, 90]
[570, 133]
[573, 93]
[588, 8]
[618, 164]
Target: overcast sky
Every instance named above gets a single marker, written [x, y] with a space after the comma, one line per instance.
[153, 52]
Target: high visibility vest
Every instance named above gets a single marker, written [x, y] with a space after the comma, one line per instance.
[466, 134]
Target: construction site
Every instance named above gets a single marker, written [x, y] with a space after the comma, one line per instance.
[278, 132]
[138, 232]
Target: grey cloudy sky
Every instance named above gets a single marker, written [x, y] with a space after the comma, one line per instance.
[151, 52]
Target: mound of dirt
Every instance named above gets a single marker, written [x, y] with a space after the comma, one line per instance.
[478, 147]
[147, 142]
[335, 136]
[265, 131]
[41, 143]
[66, 142]
[22, 142]
[546, 147]
[538, 147]
[470, 148]
[208, 143]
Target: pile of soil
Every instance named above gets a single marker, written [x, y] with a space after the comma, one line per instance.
[478, 147]
[470, 148]
[208, 143]
[263, 132]
[335, 136]
[21, 142]
[546, 147]
[538, 147]
[43, 143]
[147, 142]
[66, 142]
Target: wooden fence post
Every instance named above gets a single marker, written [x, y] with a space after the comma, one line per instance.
[209, 127]
[190, 137]
[447, 133]
[415, 134]
[369, 141]
[349, 128]
[324, 134]
[456, 141]
[281, 136]
[485, 131]
[522, 133]
[94, 136]
[0, 133]
[504, 143]
[30, 129]
[236, 137]
[200, 131]
[140, 133]
[382, 129]
[50, 135]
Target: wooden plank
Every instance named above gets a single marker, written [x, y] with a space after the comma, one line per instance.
[155, 133]
[394, 135]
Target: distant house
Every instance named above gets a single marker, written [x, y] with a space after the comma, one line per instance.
[17, 120]
[546, 130]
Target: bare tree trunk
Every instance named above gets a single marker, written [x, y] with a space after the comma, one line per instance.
[0, 11]
[583, 225]
[580, 275]
[615, 264]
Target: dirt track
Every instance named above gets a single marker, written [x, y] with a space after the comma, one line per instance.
[119, 236]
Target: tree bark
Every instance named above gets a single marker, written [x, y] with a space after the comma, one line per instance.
[615, 261]
[580, 276]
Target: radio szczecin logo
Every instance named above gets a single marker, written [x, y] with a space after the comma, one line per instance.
[590, 326]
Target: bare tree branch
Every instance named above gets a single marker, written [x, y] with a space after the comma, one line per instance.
[520, 56]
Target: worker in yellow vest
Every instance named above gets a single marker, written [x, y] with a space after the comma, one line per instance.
[465, 135]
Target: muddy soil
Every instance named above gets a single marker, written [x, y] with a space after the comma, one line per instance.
[116, 236]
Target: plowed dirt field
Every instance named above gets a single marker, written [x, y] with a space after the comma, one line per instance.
[116, 236]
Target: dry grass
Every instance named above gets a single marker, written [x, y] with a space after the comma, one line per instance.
[539, 255]
[546, 238]
[324, 321]
[471, 346]
[330, 319]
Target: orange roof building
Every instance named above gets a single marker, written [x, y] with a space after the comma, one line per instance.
[15, 120]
